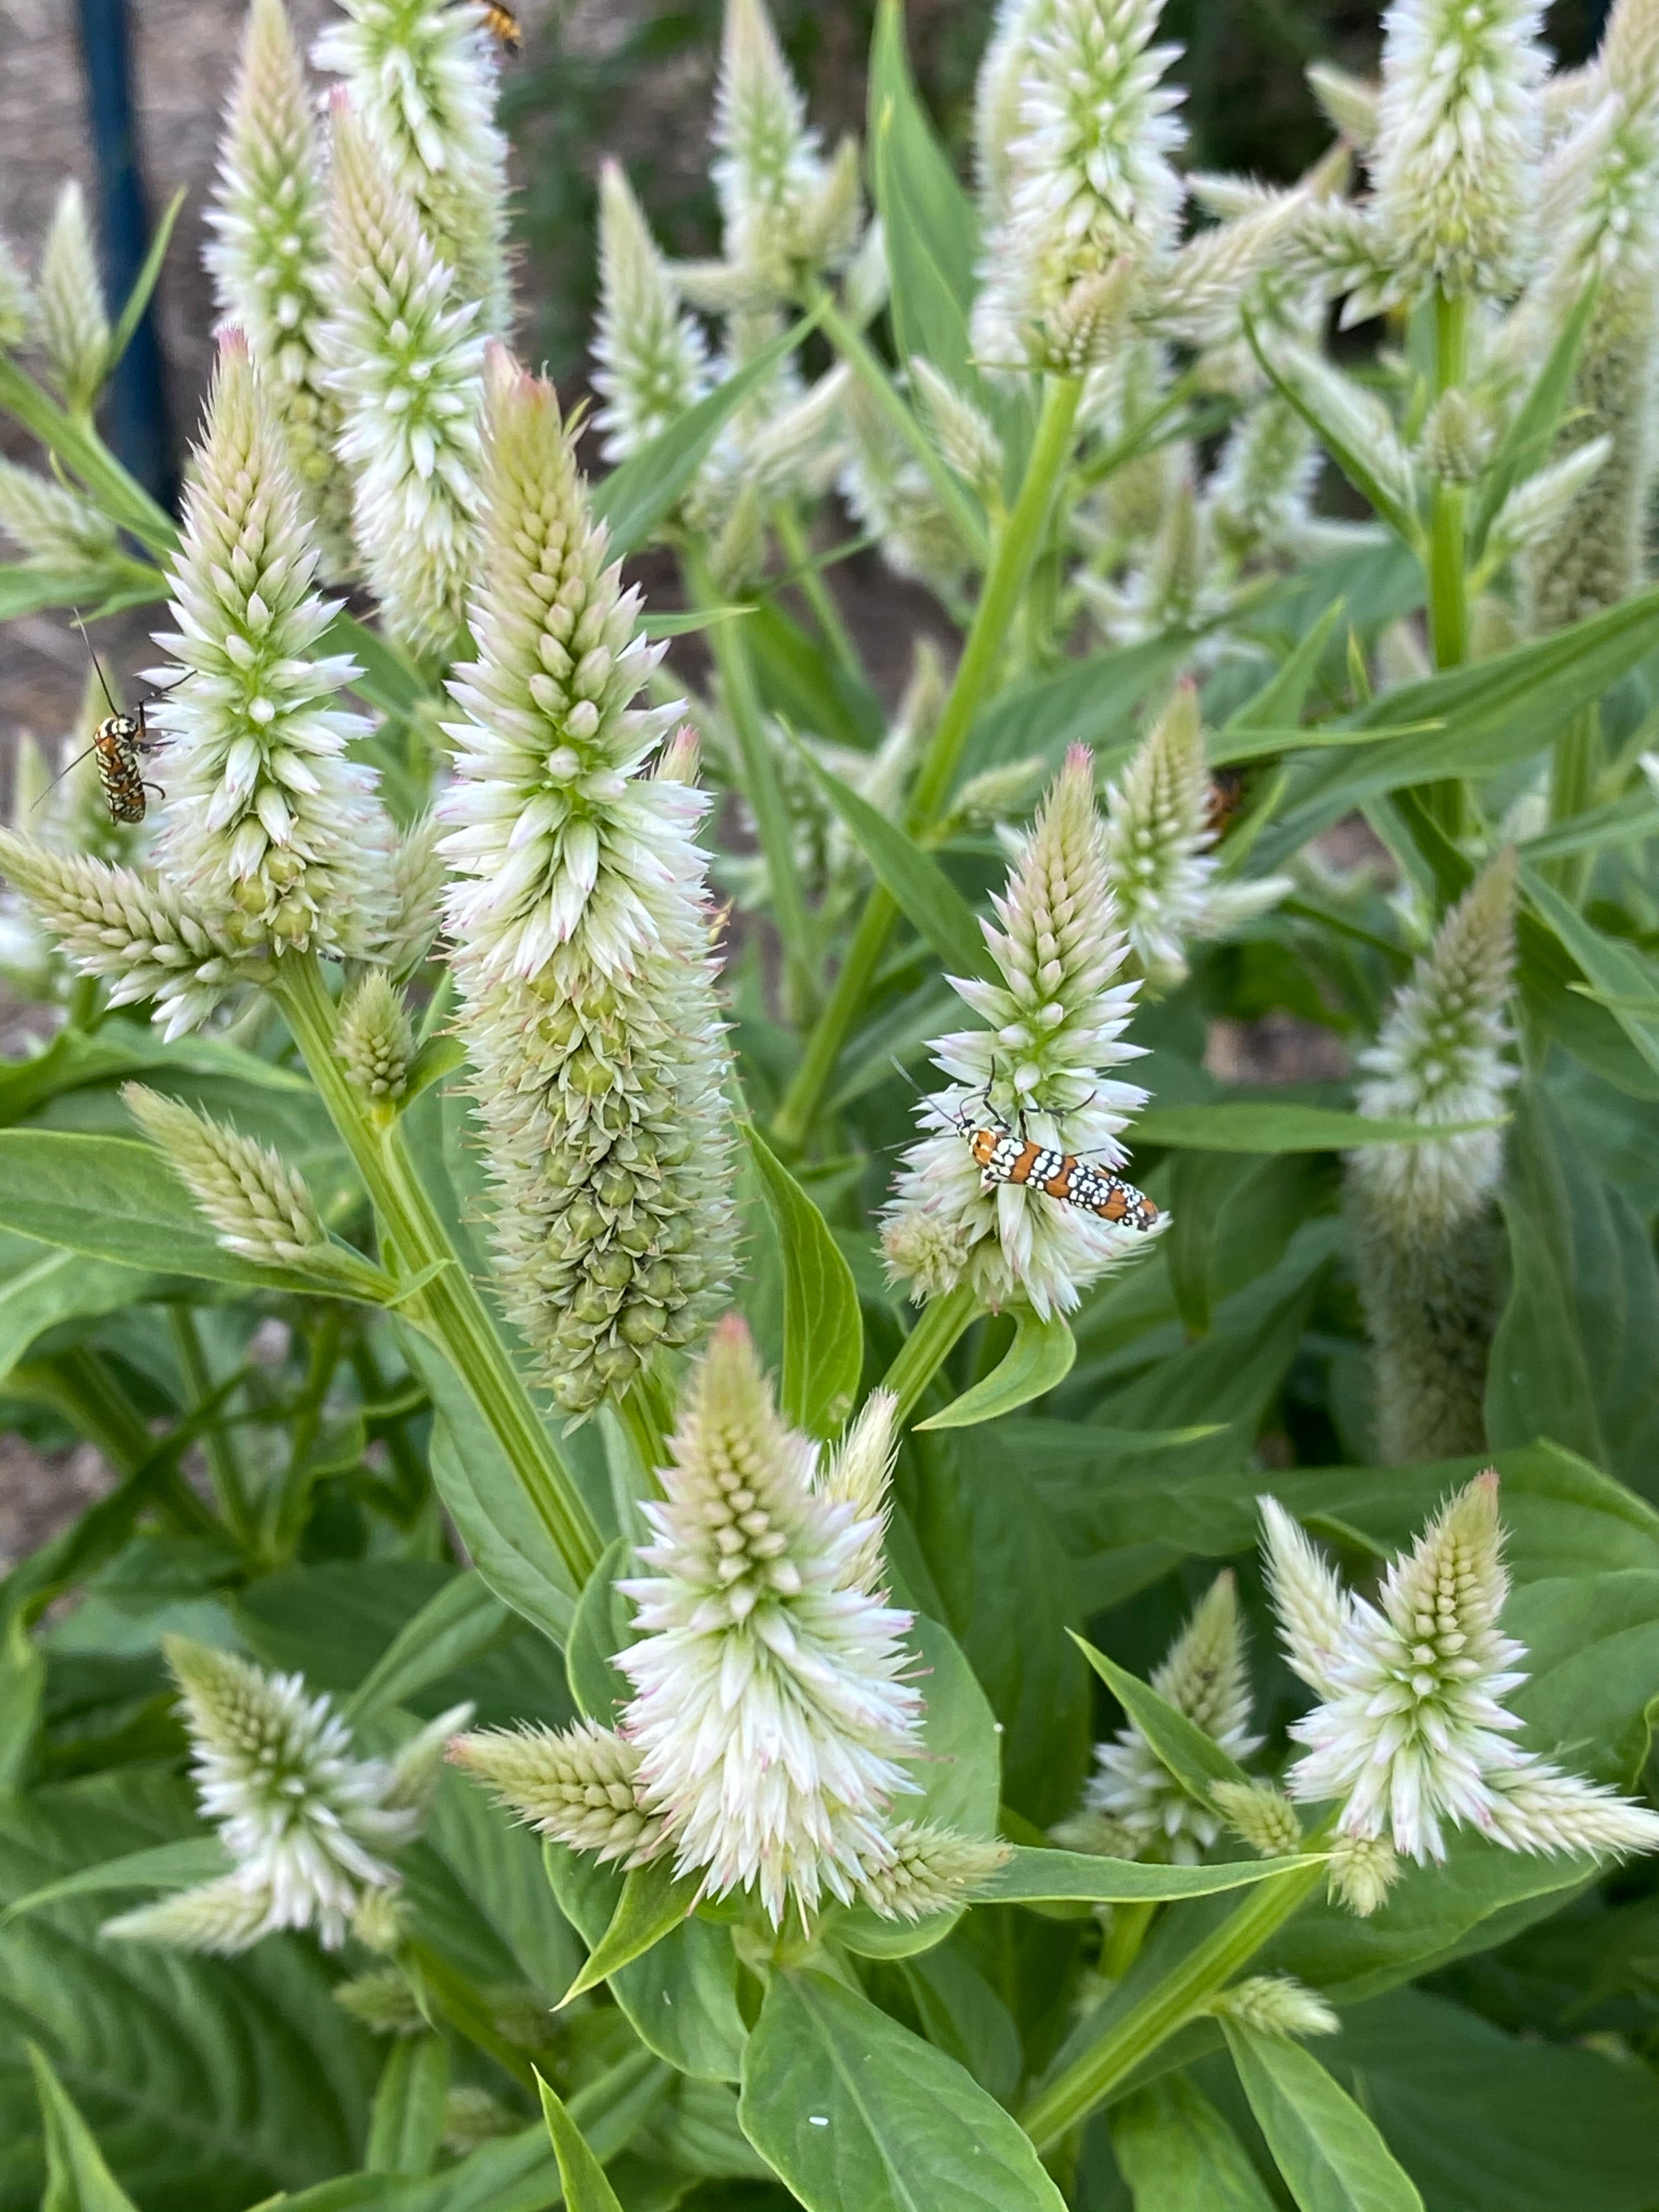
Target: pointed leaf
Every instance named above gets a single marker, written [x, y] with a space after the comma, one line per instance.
[586, 2189]
[461, 1621]
[159, 1866]
[1620, 975]
[928, 220]
[1279, 702]
[823, 1329]
[1532, 431]
[919, 887]
[654, 1901]
[633, 498]
[78, 2179]
[1039, 1358]
[406, 2122]
[859, 2115]
[602, 1626]
[144, 284]
[1264, 1126]
[1174, 2150]
[1193, 1759]
[1332, 2157]
[1034, 1876]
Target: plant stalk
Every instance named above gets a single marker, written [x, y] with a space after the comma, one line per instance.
[448, 1307]
[929, 1345]
[1073, 2095]
[810, 583]
[1011, 567]
[1448, 572]
[224, 1463]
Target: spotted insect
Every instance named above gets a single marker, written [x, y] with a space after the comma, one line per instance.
[1003, 1157]
[502, 25]
[119, 745]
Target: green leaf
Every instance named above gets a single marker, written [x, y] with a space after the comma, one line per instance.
[145, 282]
[1178, 2154]
[928, 220]
[1196, 1760]
[504, 1536]
[78, 2179]
[602, 1626]
[633, 498]
[1532, 429]
[1086, 702]
[48, 1286]
[654, 1900]
[859, 2115]
[1330, 2155]
[1622, 979]
[919, 887]
[1040, 1356]
[81, 450]
[386, 680]
[28, 586]
[1279, 703]
[461, 1621]
[1034, 1876]
[23, 1693]
[1262, 1126]
[823, 1329]
[119, 1200]
[586, 2189]
[682, 1994]
[180, 1865]
[406, 2125]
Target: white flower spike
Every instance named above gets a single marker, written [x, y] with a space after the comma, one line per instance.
[1412, 1733]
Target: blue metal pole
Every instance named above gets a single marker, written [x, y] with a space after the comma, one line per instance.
[137, 423]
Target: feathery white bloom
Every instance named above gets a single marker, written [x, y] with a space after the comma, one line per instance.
[1177, 584]
[266, 824]
[1363, 1870]
[996, 105]
[1158, 837]
[1440, 1059]
[1259, 1815]
[383, 2001]
[422, 77]
[1600, 224]
[860, 1472]
[1536, 512]
[783, 212]
[266, 256]
[1258, 497]
[929, 1870]
[72, 322]
[1350, 103]
[1459, 130]
[1089, 182]
[1412, 1731]
[1357, 419]
[578, 1785]
[1203, 1675]
[16, 299]
[311, 1828]
[770, 1707]
[579, 917]
[964, 435]
[416, 895]
[887, 490]
[261, 1208]
[1055, 1022]
[652, 361]
[404, 358]
[138, 933]
[50, 523]
[1275, 2004]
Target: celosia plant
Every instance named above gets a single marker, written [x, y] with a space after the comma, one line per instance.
[674, 1616]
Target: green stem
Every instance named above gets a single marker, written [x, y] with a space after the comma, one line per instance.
[862, 359]
[1209, 1967]
[224, 1463]
[449, 1307]
[760, 788]
[412, 1486]
[1016, 555]
[809, 582]
[1448, 574]
[929, 1345]
[289, 1500]
[1575, 766]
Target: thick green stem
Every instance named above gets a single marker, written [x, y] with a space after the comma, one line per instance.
[866, 364]
[928, 1346]
[1010, 569]
[763, 791]
[1448, 571]
[1208, 1967]
[224, 1464]
[448, 1306]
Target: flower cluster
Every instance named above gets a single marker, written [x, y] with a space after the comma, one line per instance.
[773, 1721]
[1055, 1029]
[311, 1828]
[582, 935]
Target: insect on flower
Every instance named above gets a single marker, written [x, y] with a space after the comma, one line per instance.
[502, 25]
[1004, 1156]
[1226, 799]
[119, 742]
